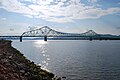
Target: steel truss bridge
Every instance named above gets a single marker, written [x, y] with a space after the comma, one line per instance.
[48, 32]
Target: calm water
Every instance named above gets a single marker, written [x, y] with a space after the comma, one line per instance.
[76, 60]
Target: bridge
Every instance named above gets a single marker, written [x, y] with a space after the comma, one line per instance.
[48, 32]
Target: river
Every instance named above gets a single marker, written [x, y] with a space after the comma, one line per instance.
[75, 59]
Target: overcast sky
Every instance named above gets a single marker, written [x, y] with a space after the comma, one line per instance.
[78, 16]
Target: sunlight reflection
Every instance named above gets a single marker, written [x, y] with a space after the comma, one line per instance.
[38, 43]
[44, 67]
[43, 50]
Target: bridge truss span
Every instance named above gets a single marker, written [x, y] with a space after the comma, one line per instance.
[48, 32]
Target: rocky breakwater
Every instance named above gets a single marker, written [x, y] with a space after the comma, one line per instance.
[14, 66]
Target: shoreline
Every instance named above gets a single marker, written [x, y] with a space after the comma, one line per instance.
[15, 66]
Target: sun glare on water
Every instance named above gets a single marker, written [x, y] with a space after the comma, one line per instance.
[42, 47]
[40, 43]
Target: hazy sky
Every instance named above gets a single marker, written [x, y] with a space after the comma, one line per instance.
[102, 16]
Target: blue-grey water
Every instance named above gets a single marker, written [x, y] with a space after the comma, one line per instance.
[76, 60]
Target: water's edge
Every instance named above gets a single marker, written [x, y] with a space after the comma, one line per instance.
[13, 65]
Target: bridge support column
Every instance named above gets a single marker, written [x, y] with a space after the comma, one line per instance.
[20, 38]
[45, 38]
[91, 38]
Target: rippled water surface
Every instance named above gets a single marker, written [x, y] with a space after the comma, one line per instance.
[76, 60]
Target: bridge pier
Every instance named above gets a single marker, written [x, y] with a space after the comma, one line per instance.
[20, 38]
[91, 38]
[45, 38]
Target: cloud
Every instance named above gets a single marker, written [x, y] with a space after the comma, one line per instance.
[29, 16]
[92, 1]
[60, 11]
[3, 19]
[118, 28]
[11, 29]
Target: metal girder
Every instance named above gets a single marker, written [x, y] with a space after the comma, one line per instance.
[46, 31]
